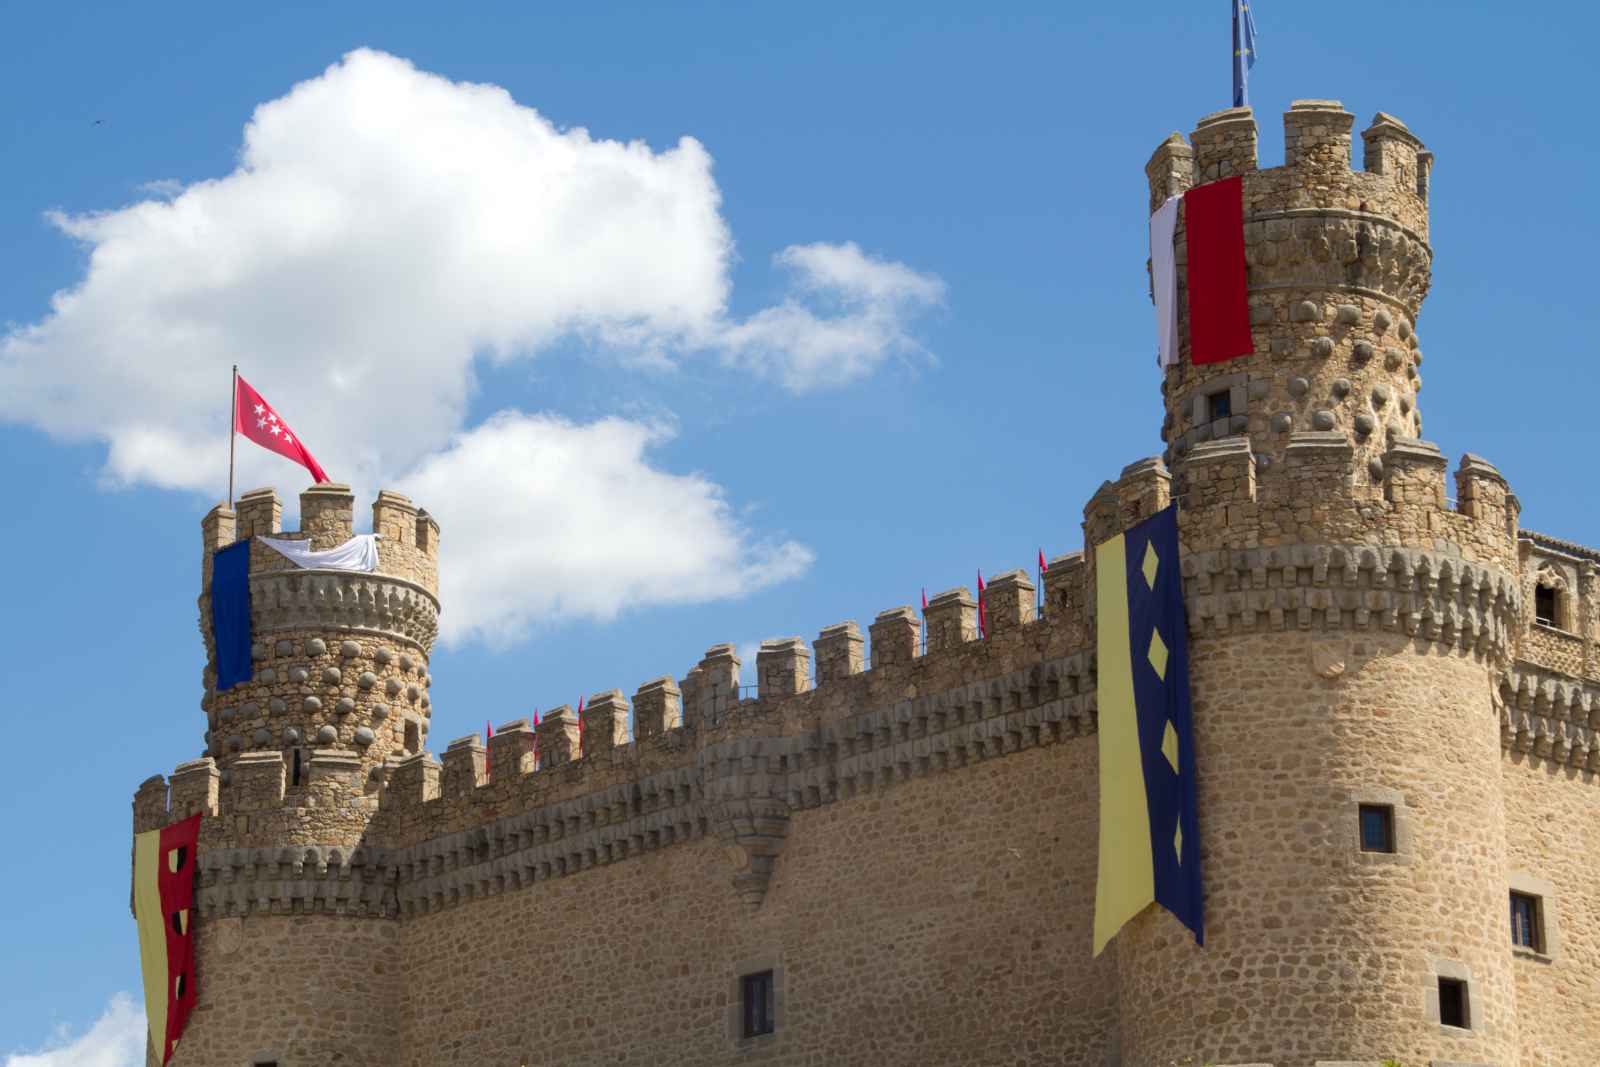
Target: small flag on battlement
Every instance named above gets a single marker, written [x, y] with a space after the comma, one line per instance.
[923, 624]
[983, 610]
[488, 766]
[1043, 566]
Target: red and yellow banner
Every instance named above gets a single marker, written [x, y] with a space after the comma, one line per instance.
[163, 905]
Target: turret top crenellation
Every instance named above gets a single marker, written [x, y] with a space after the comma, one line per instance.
[1317, 170]
[408, 537]
[1337, 267]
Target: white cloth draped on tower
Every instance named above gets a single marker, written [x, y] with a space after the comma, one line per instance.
[360, 553]
[1164, 280]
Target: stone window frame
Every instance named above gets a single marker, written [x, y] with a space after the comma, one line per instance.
[1554, 574]
[1453, 970]
[735, 1015]
[1544, 891]
[267, 1059]
[1198, 404]
[1405, 851]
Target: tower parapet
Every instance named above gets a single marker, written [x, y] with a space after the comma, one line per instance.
[1338, 264]
[340, 680]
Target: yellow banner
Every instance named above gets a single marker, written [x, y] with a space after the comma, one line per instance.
[1126, 881]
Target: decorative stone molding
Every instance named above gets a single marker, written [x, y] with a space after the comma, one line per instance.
[1549, 716]
[1334, 249]
[1431, 595]
[377, 604]
[296, 879]
[1549, 577]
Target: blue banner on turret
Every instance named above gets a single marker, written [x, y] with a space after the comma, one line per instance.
[230, 614]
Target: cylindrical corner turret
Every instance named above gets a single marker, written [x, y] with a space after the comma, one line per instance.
[1345, 620]
[1338, 264]
[339, 680]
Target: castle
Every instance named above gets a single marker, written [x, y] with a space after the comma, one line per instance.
[887, 856]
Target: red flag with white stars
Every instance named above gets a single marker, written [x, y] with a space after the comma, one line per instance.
[254, 417]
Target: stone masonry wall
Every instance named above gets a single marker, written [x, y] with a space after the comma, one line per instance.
[294, 990]
[946, 919]
[1552, 837]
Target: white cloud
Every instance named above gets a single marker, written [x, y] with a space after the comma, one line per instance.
[162, 187]
[117, 1039]
[569, 520]
[872, 300]
[383, 230]
[384, 226]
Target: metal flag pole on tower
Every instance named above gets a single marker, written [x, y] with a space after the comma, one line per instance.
[233, 417]
[1244, 51]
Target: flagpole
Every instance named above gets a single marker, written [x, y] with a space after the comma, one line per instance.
[233, 415]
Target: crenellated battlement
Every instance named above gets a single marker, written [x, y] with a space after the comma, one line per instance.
[408, 537]
[1317, 170]
[1317, 494]
[486, 818]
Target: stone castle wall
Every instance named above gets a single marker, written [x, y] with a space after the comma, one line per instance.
[936, 914]
[906, 834]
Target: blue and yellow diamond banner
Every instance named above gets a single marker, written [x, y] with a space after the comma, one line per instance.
[1149, 841]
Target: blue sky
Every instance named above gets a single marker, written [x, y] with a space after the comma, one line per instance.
[881, 323]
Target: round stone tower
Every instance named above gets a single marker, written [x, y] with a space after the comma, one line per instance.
[340, 660]
[291, 891]
[1338, 266]
[1344, 621]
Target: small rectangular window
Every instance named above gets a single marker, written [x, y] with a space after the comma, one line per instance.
[1377, 828]
[1544, 605]
[1219, 405]
[1526, 929]
[1454, 1009]
[756, 1001]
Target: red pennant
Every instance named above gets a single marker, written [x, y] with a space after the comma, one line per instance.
[254, 418]
[1043, 566]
